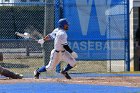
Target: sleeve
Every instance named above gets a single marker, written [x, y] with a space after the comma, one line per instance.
[67, 48]
[52, 35]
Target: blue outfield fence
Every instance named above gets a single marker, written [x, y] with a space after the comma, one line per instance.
[95, 29]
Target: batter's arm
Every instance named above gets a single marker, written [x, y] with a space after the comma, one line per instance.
[46, 38]
[67, 48]
[50, 36]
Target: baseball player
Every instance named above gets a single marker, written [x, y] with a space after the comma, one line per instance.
[7, 73]
[61, 51]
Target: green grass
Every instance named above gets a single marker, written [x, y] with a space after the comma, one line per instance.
[27, 65]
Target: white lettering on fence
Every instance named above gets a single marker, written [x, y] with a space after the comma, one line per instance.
[96, 45]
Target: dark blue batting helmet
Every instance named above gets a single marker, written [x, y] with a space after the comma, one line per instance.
[62, 22]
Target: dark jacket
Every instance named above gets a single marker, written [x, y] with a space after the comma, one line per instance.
[138, 35]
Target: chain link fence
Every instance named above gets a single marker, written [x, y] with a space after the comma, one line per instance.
[24, 56]
[21, 55]
[97, 35]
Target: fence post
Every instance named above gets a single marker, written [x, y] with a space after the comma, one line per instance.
[57, 17]
[48, 27]
[1, 56]
[27, 48]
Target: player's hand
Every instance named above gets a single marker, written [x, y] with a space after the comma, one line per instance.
[74, 54]
[41, 41]
[46, 38]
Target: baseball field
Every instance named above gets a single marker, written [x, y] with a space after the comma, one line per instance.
[86, 77]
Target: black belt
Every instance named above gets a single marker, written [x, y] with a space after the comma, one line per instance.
[59, 51]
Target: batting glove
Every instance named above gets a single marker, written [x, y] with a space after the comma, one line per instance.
[74, 54]
[41, 41]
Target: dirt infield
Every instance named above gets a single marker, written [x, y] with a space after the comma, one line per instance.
[114, 81]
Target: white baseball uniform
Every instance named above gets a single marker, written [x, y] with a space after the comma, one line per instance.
[52, 35]
[59, 53]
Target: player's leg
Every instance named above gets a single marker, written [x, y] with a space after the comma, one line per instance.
[65, 71]
[38, 71]
[7, 73]
[58, 68]
[54, 59]
[71, 63]
[43, 68]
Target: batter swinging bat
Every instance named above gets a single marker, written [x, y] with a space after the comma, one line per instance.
[32, 33]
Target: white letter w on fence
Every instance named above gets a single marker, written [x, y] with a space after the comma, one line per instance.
[84, 10]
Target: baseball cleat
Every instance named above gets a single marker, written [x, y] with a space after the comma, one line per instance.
[36, 74]
[67, 76]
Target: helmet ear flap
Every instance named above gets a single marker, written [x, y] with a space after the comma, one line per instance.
[60, 26]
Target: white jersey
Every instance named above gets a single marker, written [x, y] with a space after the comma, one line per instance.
[52, 35]
[60, 40]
